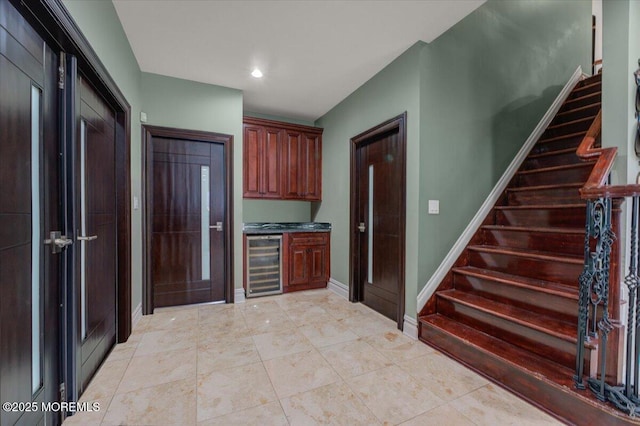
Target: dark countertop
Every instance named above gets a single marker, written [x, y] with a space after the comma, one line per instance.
[281, 227]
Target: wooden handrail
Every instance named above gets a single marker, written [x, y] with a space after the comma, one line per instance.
[596, 185]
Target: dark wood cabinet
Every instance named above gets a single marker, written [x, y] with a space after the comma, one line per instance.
[302, 165]
[281, 160]
[306, 260]
[262, 157]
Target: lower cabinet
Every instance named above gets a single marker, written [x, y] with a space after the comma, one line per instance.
[305, 260]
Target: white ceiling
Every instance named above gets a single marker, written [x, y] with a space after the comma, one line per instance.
[313, 53]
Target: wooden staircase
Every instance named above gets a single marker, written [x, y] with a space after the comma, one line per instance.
[508, 308]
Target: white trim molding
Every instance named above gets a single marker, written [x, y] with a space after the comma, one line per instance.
[492, 198]
[238, 296]
[410, 327]
[338, 288]
[136, 316]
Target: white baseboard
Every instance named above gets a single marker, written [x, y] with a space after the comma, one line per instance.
[238, 296]
[338, 288]
[501, 185]
[136, 316]
[410, 327]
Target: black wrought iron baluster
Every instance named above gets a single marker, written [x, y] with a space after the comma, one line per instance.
[631, 280]
[599, 294]
[586, 277]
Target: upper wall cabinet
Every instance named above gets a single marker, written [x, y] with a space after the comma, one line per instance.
[281, 160]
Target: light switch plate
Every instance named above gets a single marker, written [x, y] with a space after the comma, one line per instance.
[143, 117]
[136, 203]
[434, 206]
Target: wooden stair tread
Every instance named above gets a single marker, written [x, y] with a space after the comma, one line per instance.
[532, 254]
[532, 363]
[584, 87]
[552, 153]
[569, 123]
[556, 230]
[543, 187]
[541, 206]
[557, 168]
[582, 108]
[543, 286]
[558, 138]
[582, 98]
[523, 317]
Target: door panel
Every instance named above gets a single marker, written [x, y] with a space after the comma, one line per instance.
[298, 268]
[379, 231]
[29, 284]
[96, 231]
[187, 191]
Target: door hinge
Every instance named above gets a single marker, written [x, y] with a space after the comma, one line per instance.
[61, 71]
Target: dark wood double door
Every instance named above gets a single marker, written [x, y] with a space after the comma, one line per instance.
[57, 173]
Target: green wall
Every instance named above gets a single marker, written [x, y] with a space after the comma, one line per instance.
[485, 85]
[388, 94]
[279, 118]
[185, 104]
[100, 24]
[276, 211]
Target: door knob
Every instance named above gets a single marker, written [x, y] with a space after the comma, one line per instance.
[362, 227]
[217, 226]
[89, 238]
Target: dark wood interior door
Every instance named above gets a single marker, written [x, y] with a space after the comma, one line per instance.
[29, 190]
[379, 231]
[95, 234]
[187, 190]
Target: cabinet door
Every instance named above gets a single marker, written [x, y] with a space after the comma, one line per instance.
[318, 264]
[252, 154]
[312, 169]
[298, 264]
[293, 154]
[270, 171]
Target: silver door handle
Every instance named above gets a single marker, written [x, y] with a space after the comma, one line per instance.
[89, 238]
[217, 226]
[57, 241]
[361, 227]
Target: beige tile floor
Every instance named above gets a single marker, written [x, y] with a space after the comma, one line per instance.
[297, 359]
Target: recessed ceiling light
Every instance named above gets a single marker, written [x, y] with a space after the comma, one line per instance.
[256, 73]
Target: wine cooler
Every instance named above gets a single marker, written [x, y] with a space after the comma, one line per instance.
[264, 265]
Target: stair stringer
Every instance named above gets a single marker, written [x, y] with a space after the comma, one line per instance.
[498, 191]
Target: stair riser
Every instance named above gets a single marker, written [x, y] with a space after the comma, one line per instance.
[573, 175]
[556, 145]
[566, 129]
[553, 305]
[534, 341]
[551, 161]
[552, 196]
[577, 113]
[571, 217]
[534, 388]
[571, 244]
[574, 103]
[549, 270]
